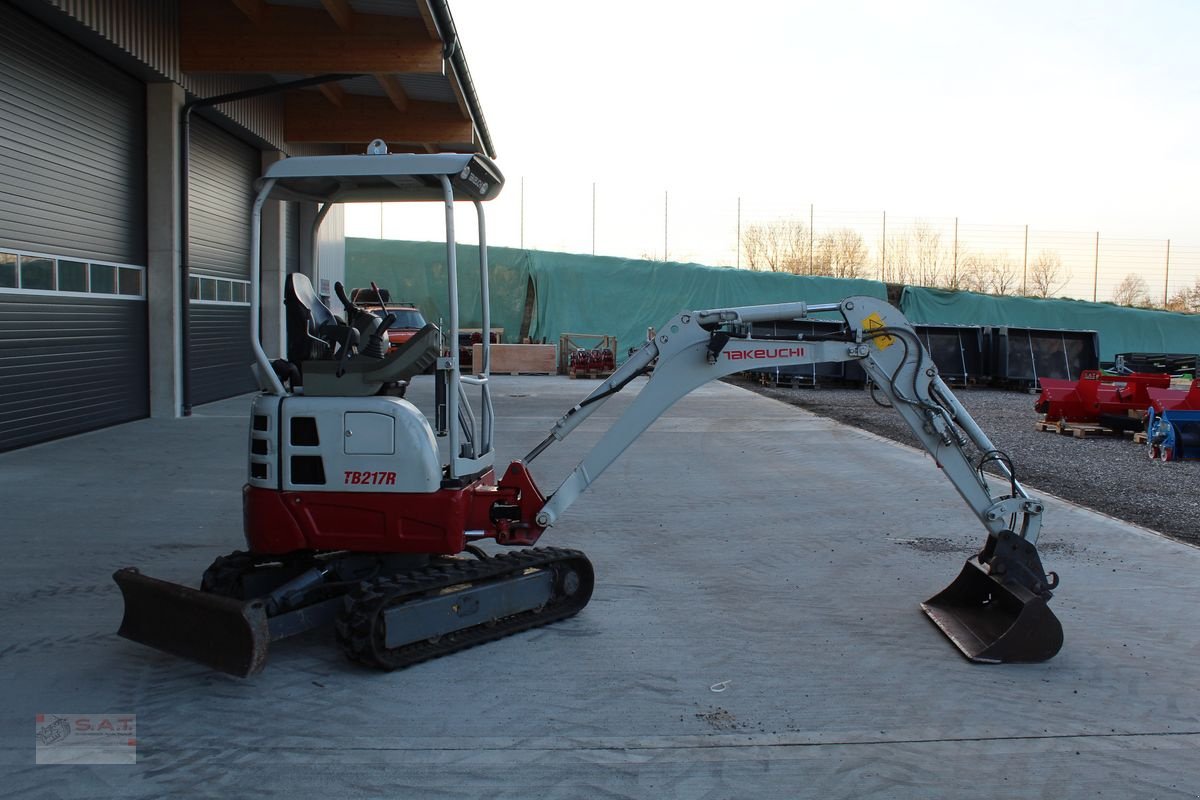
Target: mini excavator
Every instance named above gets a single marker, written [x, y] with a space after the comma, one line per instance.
[352, 519]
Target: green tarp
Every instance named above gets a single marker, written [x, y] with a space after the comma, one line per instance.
[415, 272]
[577, 293]
[622, 297]
[1122, 330]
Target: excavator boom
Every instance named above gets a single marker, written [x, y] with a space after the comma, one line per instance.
[995, 611]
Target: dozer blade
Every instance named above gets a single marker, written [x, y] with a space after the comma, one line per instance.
[226, 634]
[993, 621]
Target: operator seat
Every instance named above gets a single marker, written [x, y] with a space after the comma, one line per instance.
[313, 332]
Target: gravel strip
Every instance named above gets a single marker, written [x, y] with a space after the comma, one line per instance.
[1111, 475]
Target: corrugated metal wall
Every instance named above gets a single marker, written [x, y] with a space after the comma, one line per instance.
[220, 192]
[72, 148]
[291, 213]
[148, 32]
[69, 364]
[220, 352]
[220, 195]
[72, 183]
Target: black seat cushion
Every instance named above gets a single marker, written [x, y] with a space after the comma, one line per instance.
[306, 317]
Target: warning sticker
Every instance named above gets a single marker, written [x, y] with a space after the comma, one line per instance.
[875, 322]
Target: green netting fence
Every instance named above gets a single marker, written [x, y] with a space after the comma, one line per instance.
[542, 295]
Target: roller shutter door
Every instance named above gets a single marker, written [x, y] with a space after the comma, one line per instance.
[220, 192]
[72, 238]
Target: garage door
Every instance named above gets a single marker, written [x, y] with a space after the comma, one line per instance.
[220, 192]
[72, 238]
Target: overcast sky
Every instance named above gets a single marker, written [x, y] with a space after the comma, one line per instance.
[1065, 115]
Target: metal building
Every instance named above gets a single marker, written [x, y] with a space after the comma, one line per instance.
[131, 132]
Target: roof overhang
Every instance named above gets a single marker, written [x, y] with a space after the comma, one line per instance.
[410, 87]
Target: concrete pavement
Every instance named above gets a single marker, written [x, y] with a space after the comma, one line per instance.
[739, 540]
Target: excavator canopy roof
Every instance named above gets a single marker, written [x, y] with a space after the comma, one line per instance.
[388, 178]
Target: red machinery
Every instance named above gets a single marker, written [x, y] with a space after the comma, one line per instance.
[1175, 399]
[1096, 395]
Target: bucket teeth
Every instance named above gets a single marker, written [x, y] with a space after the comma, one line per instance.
[226, 634]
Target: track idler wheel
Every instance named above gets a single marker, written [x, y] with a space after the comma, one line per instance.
[996, 610]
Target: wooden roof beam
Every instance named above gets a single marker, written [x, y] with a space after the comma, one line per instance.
[427, 17]
[394, 91]
[363, 118]
[333, 92]
[341, 12]
[218, 37]
[255, 10]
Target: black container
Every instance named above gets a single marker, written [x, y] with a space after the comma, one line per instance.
[1023, 355]
[957, 350]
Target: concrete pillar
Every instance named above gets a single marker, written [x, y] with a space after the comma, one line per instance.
[163, 286]
[274, 267]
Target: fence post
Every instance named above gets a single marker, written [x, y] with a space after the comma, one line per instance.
[1096, 268]
[883, 251]
[1025, 266]
[1167, 276]
[954, 274]
[810, 238]
[666, 205]
[737, 259]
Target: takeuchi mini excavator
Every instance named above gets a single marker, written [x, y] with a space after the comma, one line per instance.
[353, 519]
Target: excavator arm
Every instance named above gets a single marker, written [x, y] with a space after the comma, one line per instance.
[996, 609]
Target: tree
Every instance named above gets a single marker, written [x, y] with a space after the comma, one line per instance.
[1186, 299]
[782, 246]
[916, 256]
[1046, 275]
[986, 274]
[929, 259]
[1132, 291]
[841, 253]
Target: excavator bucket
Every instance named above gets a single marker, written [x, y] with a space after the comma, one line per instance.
[226, 634]
[996, 610]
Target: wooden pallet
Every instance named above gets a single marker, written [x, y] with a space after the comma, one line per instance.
[591, 374]
[1079, 430]
[518, 359]
[1085, 430]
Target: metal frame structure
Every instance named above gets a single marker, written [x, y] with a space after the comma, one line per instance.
[376, 177]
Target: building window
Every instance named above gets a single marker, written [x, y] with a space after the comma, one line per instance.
[129, 281]
[8, 270]
[204, 289]
[72, 276]
[39, 273]
[104, 279]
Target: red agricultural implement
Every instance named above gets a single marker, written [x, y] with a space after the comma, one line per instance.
[1096, 396]
[1175, 399]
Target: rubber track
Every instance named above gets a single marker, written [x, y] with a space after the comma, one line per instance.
[360, 627]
